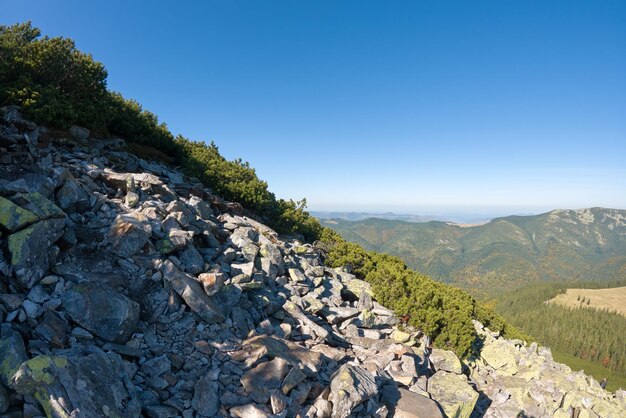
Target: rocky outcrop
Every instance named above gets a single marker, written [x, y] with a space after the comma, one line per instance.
[129, 290]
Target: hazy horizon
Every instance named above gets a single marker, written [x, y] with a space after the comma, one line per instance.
[404, 104]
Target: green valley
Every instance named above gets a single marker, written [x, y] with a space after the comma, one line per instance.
[506, 253]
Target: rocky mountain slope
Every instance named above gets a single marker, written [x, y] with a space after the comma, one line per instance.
[128, 290]
[586, 244]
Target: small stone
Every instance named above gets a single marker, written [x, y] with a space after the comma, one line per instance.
[32, 309]
[399, 337]
[132, 199]
[206, 398]
[292, 379]
[278, 402]
[81, 334]
[212, 282]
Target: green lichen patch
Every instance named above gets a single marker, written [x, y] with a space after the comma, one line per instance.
[42, 206]
[13, 217]
[17, 246]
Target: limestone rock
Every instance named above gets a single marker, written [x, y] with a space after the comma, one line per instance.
[102, 311]
[350, 386]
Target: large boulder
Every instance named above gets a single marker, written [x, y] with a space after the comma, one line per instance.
[13, 217]
[445, 360]
[350, 386]
[71, 197]
[101, 310]
[129, 233]
[403, 403]
[87, 386]
[193, 294]
[454, 394]
[500, 355]
[266, 345]
[32, 252]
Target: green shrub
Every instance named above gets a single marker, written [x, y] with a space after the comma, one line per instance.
[50, 79]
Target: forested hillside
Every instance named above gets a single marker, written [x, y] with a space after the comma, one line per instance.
[587, 244]
[584, 333]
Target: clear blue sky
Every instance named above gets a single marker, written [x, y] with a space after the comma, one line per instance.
[407, 106]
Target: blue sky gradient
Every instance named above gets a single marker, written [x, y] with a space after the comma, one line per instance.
[420, 106]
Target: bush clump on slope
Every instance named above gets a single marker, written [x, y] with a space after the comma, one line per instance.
[58, 85]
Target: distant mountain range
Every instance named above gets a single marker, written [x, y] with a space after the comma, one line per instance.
[458, 217]
[584, 244]
[359, 216]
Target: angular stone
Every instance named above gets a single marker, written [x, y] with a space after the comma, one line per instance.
[271, 252]
[212, 282]
[453, 393]
[32, 309]
[4, 399]
[192, 293]
[71, 197]
[292, 379]
[77, 386]
[350, 386]
[403, 403]
[53, 329]
[272, 346]
[13, 217]
[246, 269]
[12, 354]
[157, 366]
[297, 276]
[160, 411]
[30, 249]
[192, 260]
[201, 208]
[129, 233]
[39, 205]
[399, 337]
[79, 133]
[266, 377]
[102, 311]
[358, 287]
[445, 360]
[206, 400]
[249, 411]
[499, 355]
[176, 239]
